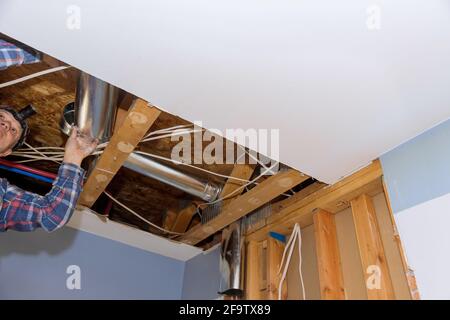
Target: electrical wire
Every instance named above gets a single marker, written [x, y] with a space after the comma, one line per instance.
[140, 217]
[31, 76]
[189, 165]
[238, 189]
[296, 234]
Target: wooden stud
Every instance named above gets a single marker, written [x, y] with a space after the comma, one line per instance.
[262, 263]
[328, 257]
[253, 271]
[275, 250]
[378, 279]
[138, 121]
[246, 203]
[409, 272]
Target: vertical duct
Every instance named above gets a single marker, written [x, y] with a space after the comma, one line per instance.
[95, 106]
[232, 260]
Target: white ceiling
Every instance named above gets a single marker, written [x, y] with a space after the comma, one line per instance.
[341, 94]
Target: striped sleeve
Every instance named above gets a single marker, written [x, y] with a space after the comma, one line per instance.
[26, 211]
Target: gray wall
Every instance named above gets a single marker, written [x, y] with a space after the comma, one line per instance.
[418, 180]
[202, 276]
[33, 266]
[419, 170]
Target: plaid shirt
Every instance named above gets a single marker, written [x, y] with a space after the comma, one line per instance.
[11, 55]
[26, 211]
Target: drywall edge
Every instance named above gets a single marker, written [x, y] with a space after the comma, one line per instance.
[86, 220]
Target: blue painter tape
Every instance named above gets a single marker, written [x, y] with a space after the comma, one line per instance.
[278, 236]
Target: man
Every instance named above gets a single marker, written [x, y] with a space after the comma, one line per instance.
[25, 211]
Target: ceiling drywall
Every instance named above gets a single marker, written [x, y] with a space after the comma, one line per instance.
[340, 91]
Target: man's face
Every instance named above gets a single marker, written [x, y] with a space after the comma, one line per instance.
[10, 131]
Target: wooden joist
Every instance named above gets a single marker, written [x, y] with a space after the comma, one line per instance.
[328, 258]
[184, 218]
[246, 203]
[137, 122]
[332, 199]
[241, 171]
[377, 276]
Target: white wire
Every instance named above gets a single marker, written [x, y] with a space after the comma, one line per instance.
[40, 148]
[166, 130]
[140, 217]
[238, 189]
[296, 234]
[31, 76]
[189, 165]
[29, 146]
[262, 164]
[173, 134]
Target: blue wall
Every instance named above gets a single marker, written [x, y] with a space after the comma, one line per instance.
[33, 266]
[417, 175]
[419, 170]
[202, 276]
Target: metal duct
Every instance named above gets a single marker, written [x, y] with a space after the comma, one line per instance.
[95, 106]
[232, 260]
[95, 113]
[177, 179]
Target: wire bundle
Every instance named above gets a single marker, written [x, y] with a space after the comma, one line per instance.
[56, 154]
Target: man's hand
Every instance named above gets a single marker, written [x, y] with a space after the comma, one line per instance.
[78, 147]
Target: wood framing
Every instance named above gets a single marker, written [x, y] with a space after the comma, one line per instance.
[253, 271]
[137, 122]
[275, 250]
[246, 203]
[184, 218]
[332, 199]
[409, 272]
[328, 258]
[377, 276]
[241, 171]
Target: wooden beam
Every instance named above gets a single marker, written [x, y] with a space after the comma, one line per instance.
[241, 171]
[373, 259]
[184, 218]
[246, 203]
[253, 271]
[332, 199]
[281, 207]
[275, 250]
[328, 257]
[169, 219]
[138, 121]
